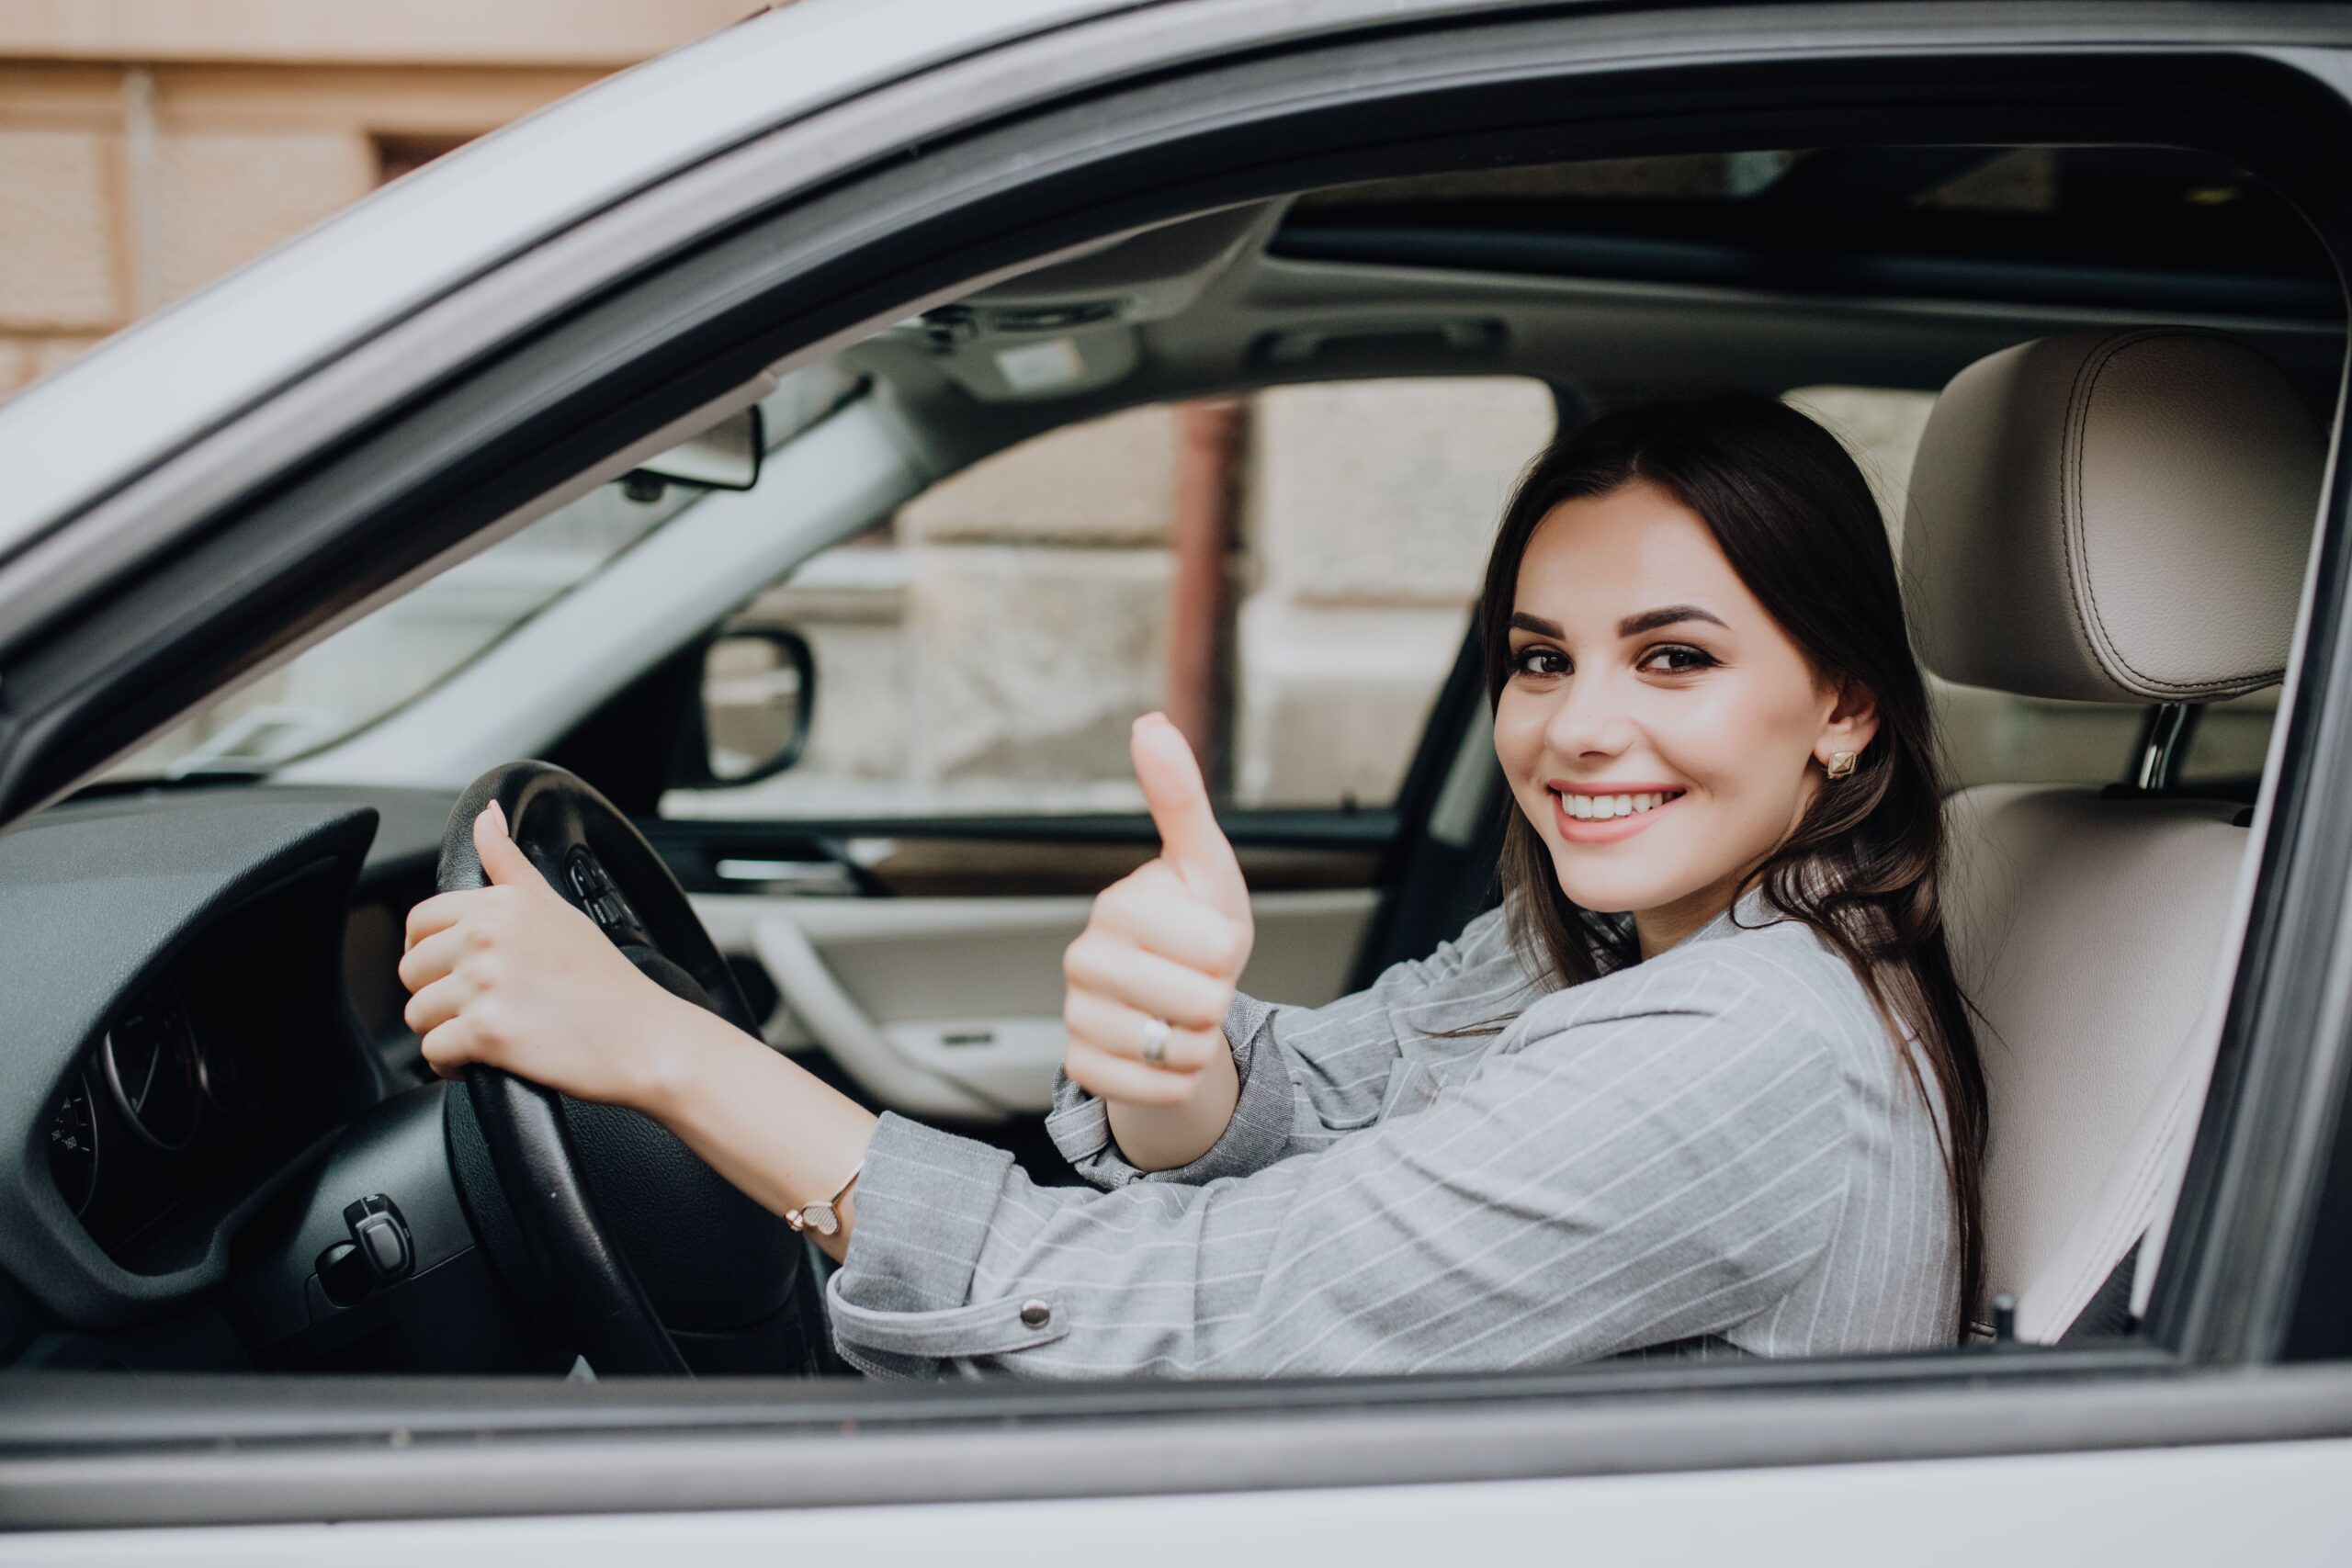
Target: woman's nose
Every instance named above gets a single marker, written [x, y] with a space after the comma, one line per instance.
[1590, 721]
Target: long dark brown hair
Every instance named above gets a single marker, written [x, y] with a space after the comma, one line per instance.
[1796, 518]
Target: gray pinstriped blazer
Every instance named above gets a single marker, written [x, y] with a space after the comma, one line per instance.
[1718, 1144]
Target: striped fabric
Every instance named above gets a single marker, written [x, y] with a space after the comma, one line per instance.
[1717, 1146]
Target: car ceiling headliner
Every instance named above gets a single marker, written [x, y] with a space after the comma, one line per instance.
[1253, 319]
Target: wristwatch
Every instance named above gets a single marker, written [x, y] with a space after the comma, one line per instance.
[820, 1217]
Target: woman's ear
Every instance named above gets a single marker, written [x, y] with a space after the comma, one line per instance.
[1852, 720]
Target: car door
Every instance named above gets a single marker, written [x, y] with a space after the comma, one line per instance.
[2223, 1420]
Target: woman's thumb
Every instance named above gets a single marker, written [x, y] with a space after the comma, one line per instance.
[1191, 840]
[503, 861]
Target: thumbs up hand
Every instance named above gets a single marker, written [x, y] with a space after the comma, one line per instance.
[1165, 945]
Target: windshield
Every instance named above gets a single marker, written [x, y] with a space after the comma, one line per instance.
[386, 659]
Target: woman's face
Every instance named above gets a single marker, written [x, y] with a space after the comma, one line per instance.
[1658, 727]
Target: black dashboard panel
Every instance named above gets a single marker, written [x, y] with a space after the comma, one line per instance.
[204, 1081]
[173, 982]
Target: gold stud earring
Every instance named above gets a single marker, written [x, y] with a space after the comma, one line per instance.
[1840, 765]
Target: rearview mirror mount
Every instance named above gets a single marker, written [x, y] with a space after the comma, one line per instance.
[725, 456]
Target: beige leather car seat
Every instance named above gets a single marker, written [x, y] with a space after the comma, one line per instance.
[2108, 518]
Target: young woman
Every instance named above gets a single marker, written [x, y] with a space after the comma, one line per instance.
[1703, 1081]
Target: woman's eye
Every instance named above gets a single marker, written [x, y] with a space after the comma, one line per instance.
[1538, 661]
[1675, 659]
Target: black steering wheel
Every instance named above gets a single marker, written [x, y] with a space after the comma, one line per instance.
[617, 1238]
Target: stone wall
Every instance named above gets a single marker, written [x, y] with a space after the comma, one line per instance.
[146, 147]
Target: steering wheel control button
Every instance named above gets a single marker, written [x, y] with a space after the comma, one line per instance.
[1036, 1314]
[596, 893]
[380, 1233]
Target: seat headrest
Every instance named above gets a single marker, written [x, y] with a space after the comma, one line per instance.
[2113, 516]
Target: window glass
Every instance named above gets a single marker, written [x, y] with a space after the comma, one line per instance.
[386, 659]
[1289, 574]
[374, 665]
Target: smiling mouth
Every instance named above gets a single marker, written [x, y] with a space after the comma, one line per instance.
[1606, 807]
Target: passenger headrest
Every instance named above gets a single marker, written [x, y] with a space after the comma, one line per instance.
[2112, 516]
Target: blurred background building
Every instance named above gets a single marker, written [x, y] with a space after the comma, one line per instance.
[148, 146]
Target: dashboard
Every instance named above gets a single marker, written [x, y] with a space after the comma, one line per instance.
[201, 1007]
[220, 1149]
[201, 1082]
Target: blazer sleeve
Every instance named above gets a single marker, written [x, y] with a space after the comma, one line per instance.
[1615, 1181]
[1310, 1075]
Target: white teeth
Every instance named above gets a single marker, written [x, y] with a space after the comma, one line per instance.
[1601, 807]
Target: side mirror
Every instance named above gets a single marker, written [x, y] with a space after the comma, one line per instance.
[725, 456]
[759, 692]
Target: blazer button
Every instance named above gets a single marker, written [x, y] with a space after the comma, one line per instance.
[1035, 1314]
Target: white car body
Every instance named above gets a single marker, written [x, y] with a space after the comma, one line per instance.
[131, 449]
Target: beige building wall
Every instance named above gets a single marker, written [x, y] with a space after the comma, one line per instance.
[149, 146]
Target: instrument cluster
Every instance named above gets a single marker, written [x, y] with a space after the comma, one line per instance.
[179, 1087]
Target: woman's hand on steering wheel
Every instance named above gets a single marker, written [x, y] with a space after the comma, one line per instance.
[513, 977]
[1165, 945]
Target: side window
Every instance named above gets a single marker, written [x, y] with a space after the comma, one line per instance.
[1993, 737]
[1288, 574]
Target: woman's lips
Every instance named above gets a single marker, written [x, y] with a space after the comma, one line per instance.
[1581, 830]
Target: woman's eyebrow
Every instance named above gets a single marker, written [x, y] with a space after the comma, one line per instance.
[1650, 620]
[1521, 621]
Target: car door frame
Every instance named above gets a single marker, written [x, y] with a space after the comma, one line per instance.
[2264, 1187]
